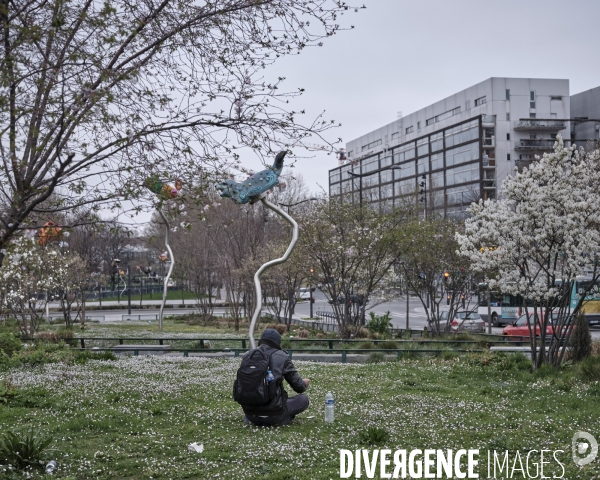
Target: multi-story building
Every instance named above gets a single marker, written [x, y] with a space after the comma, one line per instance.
[586, 105]
[458, 149]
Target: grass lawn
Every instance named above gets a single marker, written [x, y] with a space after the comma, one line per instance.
[134, 417]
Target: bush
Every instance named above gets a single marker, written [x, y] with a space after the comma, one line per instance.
[581, 339]
[367, 346]
[281, 328]
[25, 451]
[589, 369]
[10, 343]
[380, 324]
[388, 345]
[303, 333]
[363, 333]
[374, 435]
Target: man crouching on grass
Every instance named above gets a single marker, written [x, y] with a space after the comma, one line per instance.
[259, 384]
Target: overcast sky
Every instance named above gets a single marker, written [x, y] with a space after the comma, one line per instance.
[404, 55]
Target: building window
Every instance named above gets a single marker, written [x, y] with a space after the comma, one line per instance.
[395, 135]
[468, 104]
[508, 156]
[371, 145]
[418, 125]
[508, 136]
[441, 116]
[480, 101]
[532, 115]
[531, 99]
[507, 94]
[409, 129]
[555, 97]
[508, 117]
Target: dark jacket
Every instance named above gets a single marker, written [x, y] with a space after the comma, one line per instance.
[282, 368]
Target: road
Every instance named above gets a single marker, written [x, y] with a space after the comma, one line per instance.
[396, 307]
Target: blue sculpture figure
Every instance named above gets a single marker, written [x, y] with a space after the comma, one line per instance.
[251, 189]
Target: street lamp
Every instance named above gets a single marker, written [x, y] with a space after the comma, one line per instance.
[361, 175]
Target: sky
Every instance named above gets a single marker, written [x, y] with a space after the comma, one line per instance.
[404, 55]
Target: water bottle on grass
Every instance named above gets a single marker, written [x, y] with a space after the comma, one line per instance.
[50, 467]
[329, 407]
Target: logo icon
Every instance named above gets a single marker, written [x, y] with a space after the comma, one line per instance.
[585, 448]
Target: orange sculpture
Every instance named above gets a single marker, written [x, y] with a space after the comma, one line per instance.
[48, 232]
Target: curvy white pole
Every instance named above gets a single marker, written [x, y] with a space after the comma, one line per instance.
[286, 255]
[166, 280]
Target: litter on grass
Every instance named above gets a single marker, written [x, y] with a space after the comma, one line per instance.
[196, 447]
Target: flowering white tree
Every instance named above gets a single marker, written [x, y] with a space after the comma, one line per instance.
[542, 235]
[26, 277]
[351, 250]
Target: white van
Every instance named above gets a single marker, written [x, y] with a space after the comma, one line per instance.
[305, 293]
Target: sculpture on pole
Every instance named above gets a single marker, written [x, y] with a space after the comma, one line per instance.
[251, 191]
[164, 191]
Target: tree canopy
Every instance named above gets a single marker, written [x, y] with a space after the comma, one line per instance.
[95, 96]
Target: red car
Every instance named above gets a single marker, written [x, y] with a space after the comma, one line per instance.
[521, 329]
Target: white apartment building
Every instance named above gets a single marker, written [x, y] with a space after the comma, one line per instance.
[456, 150]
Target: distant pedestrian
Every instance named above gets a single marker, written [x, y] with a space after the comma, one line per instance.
[264, 400]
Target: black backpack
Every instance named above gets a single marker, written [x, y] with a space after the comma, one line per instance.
[251, 388]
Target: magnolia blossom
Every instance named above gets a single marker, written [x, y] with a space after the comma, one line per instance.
[545, 228]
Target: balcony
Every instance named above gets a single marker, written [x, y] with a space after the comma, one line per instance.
[536, 144]
[521, 164]
[489, 142]
[488, 121]
[489, 184]
[488, 161]
[539, 125]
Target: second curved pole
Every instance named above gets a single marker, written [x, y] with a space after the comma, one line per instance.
[271, 263]
[166, 282]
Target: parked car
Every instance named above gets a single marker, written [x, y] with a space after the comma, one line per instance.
[520, 328]
[353, 299]
[462, 321]
[467, 322]
[339, 300]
